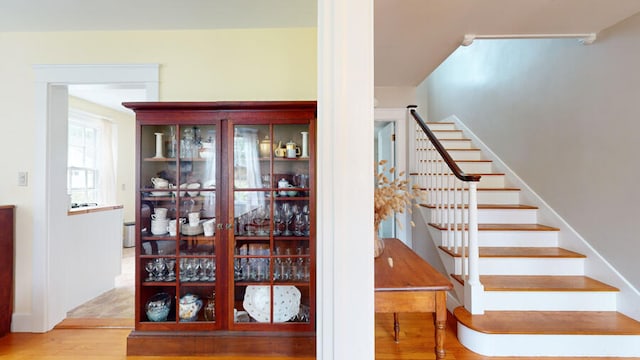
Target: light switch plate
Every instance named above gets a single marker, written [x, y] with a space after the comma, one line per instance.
[23, 178]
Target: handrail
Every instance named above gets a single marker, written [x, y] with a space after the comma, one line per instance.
[438, 146]
[453, 210]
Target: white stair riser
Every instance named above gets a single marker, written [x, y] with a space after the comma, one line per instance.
[437, 126]
[549, 345]
[488, 216]
[503, 238]
[500, 197]
[468, 166]
[550, 300]
[455, 154]
[518, 238]
[482, 167]
[486, 181]
[445, 135]
[531, 266]
[456, 144]
[525, 266]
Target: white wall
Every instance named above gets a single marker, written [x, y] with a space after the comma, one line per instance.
[564, 117]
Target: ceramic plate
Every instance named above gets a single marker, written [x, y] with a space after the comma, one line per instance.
[257, 302]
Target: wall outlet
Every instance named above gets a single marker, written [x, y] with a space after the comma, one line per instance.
[23, 178]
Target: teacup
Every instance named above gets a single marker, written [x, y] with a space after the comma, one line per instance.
[173, 225]
[194, 219]
[159, 226]
[160, 213]
[209, 227]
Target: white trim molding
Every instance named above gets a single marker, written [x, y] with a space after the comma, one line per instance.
[48, 78]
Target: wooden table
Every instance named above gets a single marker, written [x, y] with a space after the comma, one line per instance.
[406, 283]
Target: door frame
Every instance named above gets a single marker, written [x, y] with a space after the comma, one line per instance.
[49, 79]
[399, 117]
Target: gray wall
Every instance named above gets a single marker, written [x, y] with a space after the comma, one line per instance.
[566, 118]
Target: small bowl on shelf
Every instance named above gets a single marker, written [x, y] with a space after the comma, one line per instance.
[292, 193]
[158, 307]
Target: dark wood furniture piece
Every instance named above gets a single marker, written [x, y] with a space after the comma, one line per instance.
[6, 267]
[255, 276]
[406, 283]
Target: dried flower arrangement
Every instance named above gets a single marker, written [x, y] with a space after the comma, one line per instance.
[393, 196]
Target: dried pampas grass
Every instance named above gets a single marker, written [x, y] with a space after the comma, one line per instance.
[393, 196]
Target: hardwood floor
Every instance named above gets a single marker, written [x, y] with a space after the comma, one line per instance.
[416, 342]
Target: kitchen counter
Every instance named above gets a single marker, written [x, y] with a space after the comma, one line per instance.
[92, 209]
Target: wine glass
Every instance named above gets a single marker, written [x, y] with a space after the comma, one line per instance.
[171, 276]
[260, 220]
[288, 216]
[298, 227]
[149, 267]
[277, 221]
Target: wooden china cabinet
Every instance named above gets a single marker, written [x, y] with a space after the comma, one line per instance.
[225, 228]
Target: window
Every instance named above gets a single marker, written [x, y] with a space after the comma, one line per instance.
[83, 173]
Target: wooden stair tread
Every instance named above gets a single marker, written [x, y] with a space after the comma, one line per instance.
[522, 252]
[493, 206]
[549, 322]
[505, 227]
[539, 283]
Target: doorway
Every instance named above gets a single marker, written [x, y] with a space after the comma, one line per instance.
[390, 143]
[51, 282]
[385, 149]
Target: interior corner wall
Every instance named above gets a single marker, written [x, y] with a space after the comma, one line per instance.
[564, 117]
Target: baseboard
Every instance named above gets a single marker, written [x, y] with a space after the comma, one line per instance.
[221, 343]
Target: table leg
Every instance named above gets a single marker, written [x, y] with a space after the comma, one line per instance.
[440, 322]
[396, 327]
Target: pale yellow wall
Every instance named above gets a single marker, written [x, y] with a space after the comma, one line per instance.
[244, 64]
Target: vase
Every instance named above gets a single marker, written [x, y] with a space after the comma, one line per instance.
[378, 245]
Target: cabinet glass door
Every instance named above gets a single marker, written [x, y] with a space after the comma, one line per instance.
[178, 208]
[272, 216]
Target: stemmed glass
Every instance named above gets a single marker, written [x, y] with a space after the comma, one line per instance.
[159, 267]
[298, 225]
[171, 264]
[288, 216]
[261, 220]
[149, 267]
[277, 221]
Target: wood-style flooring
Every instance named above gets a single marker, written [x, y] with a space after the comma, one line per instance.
[416, 342]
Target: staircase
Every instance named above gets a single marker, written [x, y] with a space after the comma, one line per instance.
[536, 300]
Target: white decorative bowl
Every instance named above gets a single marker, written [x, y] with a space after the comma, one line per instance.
[257, 302]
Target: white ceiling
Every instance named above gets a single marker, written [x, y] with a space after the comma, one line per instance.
[412, 37]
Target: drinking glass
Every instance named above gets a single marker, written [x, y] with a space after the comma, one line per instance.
[149, 267]
[288, 216]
